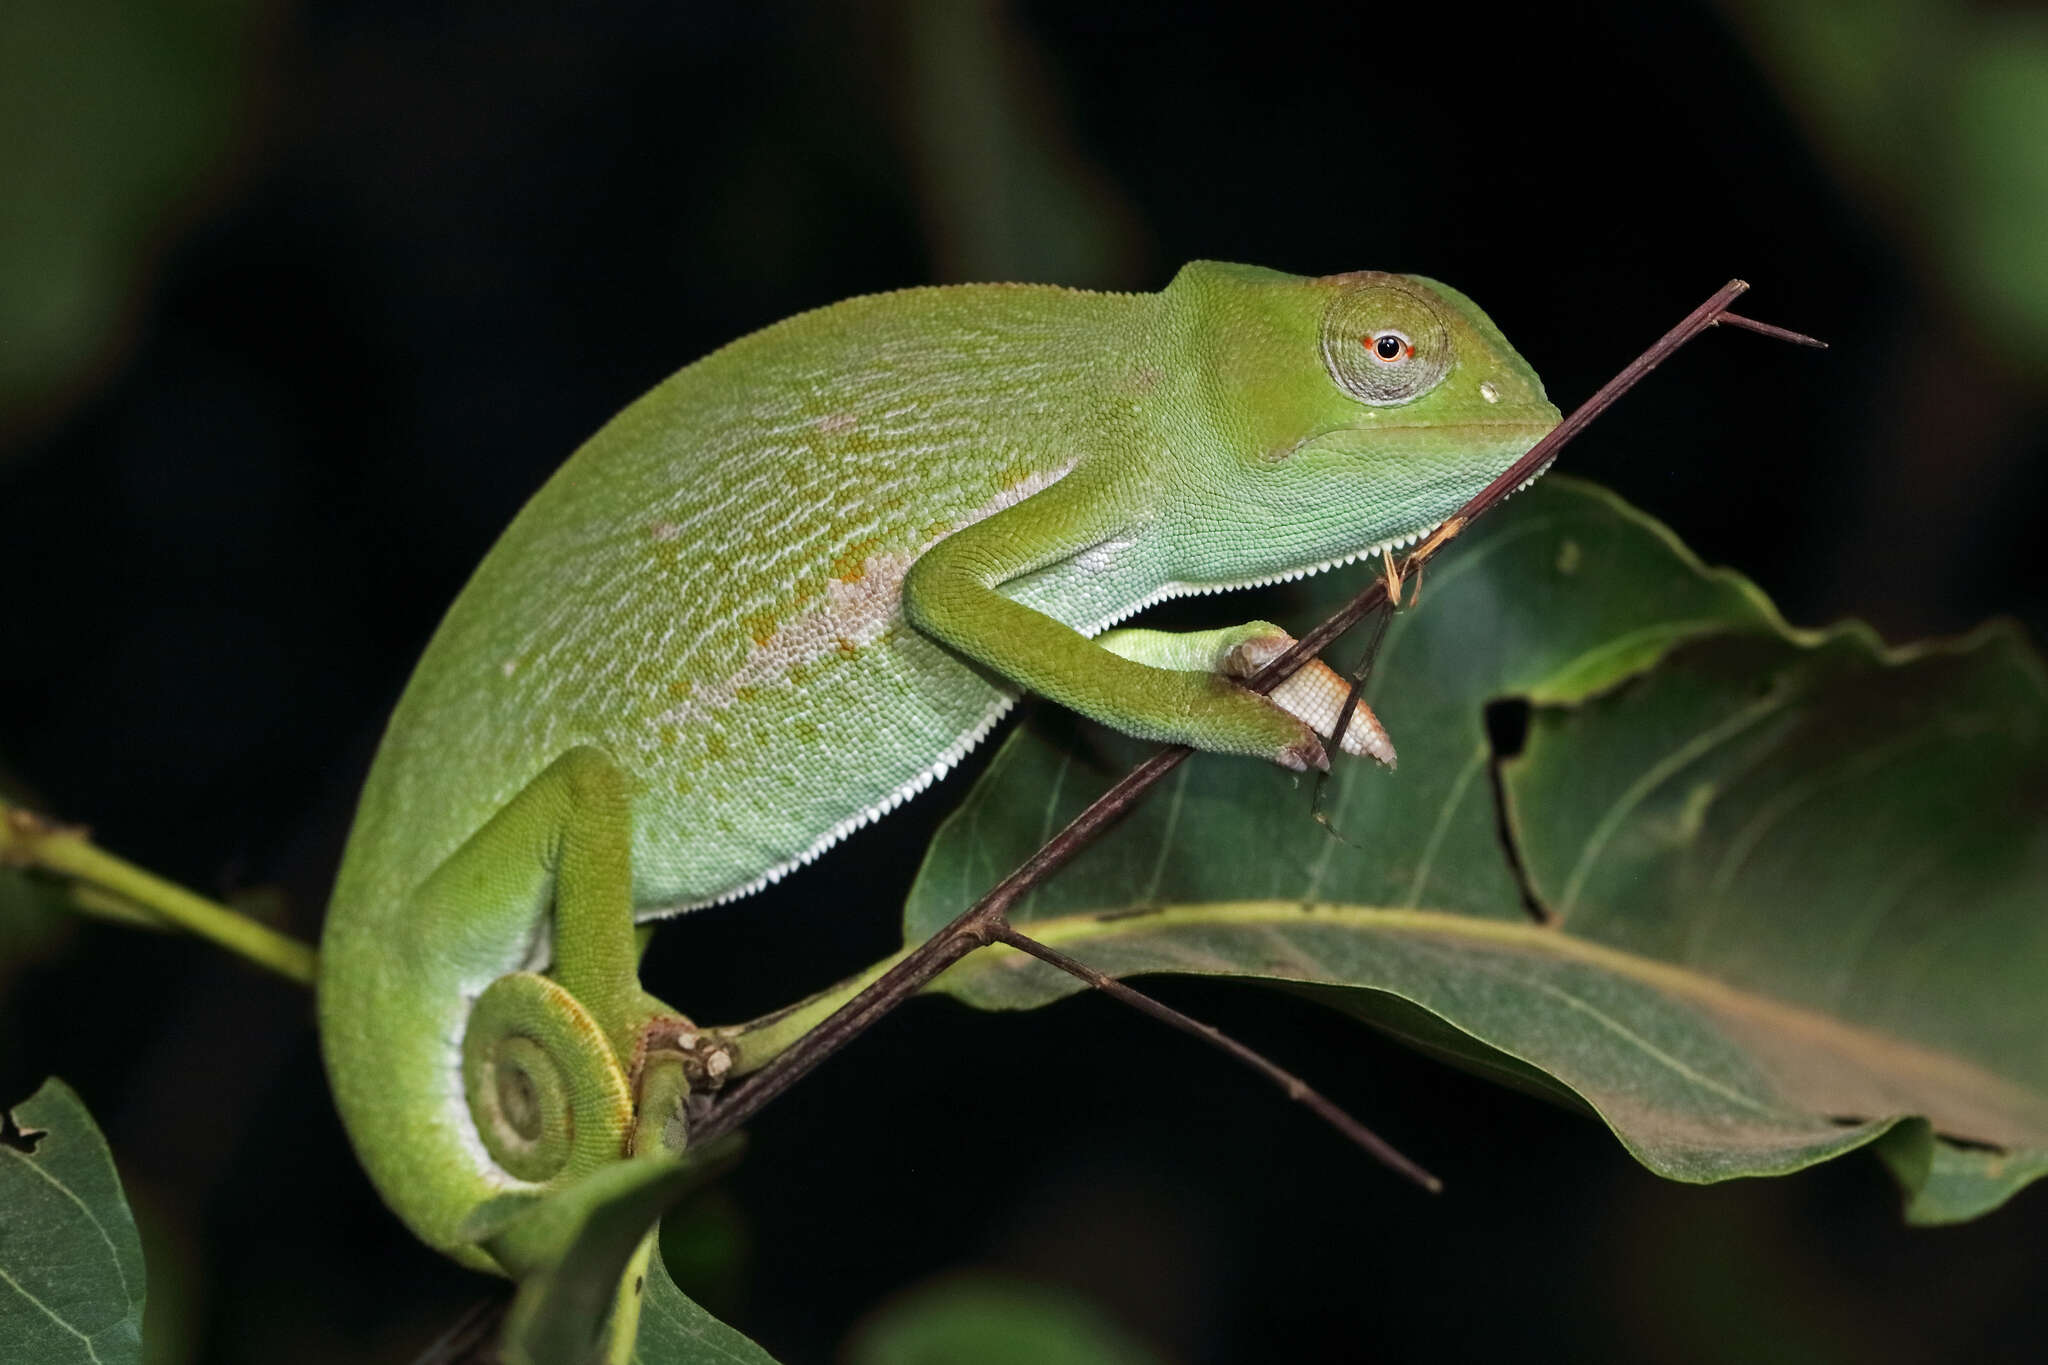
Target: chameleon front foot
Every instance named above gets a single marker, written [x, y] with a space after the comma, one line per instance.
[1312, 698]
[1314, 694]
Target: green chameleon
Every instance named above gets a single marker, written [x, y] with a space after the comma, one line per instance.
[787, 590]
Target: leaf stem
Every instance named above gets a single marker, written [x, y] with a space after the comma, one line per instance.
[67, 851]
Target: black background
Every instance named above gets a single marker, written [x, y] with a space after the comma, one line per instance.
[455, 239]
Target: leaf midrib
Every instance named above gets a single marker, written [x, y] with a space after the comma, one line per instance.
[1886, 1054]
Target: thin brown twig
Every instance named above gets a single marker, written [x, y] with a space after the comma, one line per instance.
[1771, 330]
[986, 921]
[1296, 1088]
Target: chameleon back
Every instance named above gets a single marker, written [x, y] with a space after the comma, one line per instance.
[711, 582]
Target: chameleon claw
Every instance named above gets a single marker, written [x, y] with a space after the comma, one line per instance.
[1304, 754]
[1315, 695]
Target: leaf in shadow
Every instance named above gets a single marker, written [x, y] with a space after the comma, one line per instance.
[675, 1331]
[71, 1273]
[1798, 877]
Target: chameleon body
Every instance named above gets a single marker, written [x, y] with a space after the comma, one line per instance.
[789, 588]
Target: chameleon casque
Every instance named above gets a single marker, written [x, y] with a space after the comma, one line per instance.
[788, 589]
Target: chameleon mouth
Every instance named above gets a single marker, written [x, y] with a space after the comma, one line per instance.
[1509, 438]
[1482, 436]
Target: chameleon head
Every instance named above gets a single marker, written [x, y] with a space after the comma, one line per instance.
[1354, 410]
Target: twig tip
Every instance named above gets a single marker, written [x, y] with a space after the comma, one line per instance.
[1771, 330]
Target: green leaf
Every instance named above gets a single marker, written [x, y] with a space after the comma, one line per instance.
[992, 1321]
[675, 1331]
[71, 1275]
[1796, 877]
[591, 1245]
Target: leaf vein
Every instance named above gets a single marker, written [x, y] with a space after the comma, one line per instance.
[1452, 801]
[1655, 776]
[50, 1313]
[83, 1208]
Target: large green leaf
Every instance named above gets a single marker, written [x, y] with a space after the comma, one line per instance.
[71, 1277]
[1797, 881]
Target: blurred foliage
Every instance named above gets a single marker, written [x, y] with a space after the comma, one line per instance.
[1938, 110]
[118, 112]
[34, 921]
[991, 1320]
[1005, 193]
[71, 1273]
[1793, 879]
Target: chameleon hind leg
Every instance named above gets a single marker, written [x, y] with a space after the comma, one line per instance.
[552, 1063]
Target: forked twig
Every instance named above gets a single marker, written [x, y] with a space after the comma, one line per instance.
[987, 920]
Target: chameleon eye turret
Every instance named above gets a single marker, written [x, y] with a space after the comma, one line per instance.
[1385, 343]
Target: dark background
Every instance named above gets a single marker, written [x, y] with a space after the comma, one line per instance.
[413, 254]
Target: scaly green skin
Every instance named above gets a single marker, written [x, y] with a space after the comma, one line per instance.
[790, 587]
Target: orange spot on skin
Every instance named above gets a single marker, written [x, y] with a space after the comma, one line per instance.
[760, 625]
[851, 565]
[937, 529]
[679, 688]
[745, 693]
[847, 648]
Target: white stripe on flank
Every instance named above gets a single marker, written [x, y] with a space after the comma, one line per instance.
[955, 751]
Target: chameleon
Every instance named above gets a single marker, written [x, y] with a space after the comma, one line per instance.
[789, 588]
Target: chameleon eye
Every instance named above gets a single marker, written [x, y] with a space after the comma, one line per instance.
[1385, 341]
